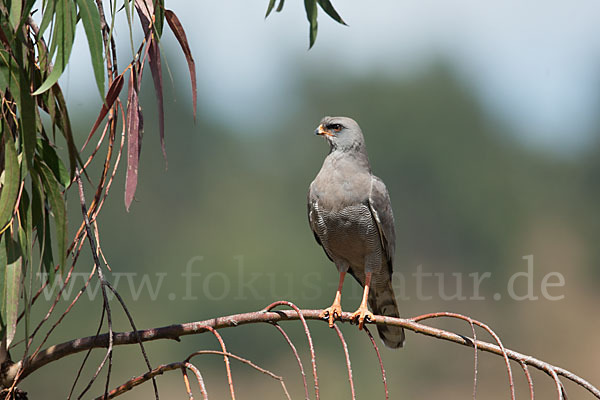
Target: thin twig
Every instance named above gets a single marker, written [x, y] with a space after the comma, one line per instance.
[348, 365]
[108, 356]
[87, 355]
[559, 386]
[130, 384]
[485, 327]
[247, 362]
[199, 378]
[385, 386]
[529, 380]
[186, 382]
[311, 347]
[287, 339]
[474, 359]
[225, 358]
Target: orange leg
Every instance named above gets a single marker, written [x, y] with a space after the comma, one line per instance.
[363, 312]
[336, 308]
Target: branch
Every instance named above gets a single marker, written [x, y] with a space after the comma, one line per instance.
[174, 332]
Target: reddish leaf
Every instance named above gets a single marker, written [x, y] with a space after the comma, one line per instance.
[177, 29]
[145, 11]
[111, 96]
[133, 139]
[156, 69]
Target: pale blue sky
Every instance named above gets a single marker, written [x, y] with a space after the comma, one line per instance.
[535, 64]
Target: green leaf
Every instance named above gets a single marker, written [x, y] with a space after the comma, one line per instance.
[41, 220]
[9, 75]
[64, 33]
[129, 13]
[12, 179]
[328, 8]
[64, 123]
[270, 7]
[3, 263]
[14, 78]
[49, 156]
[16, 7]
[25, 226]
[91, 23]
[48, 15]
[311, 14]
[28, 125]
[57, 203]
[10, 257]
[159, 16]
[280, 6]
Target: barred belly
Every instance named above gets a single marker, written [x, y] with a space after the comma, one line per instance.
[350, 234]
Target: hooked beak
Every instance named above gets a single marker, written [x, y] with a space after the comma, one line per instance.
[321, 131]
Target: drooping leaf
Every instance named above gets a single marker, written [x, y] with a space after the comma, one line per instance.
[91, 23]
[41, 221]
[3, 263]
[159, 16]
[64, 34]
[25, 226]
[311, 14]
[57, 204]
[46, 249]
[48, 15]
[16, 7]
[280, 6]
[26, 11]
[145, 11]
[12, 284]
[28, 126]
[179, 33]
[14, 78]
[25, 229]
[64, 124]
[270, 7]
[133, 142]
[156, 70]
[129, 15]
[49, 156]
[9, 75]
[113, 94]
[12, 179]
[328, 8]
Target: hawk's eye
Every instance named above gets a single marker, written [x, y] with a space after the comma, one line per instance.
[335, 127]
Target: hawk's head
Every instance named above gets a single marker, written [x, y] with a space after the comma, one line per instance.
[342, 133]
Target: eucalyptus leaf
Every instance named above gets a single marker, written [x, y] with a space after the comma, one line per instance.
[328, 8]
[64, 34]
[311, 14]
[270, 7]
[12, 286]
[57, 203]
[49, 156]
[12, 179]
[91, 23]
[16, 8]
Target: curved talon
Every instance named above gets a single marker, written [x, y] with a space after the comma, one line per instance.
[362, 314]
[331, 313]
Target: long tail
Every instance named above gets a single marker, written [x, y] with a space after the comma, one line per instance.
[383, 302]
